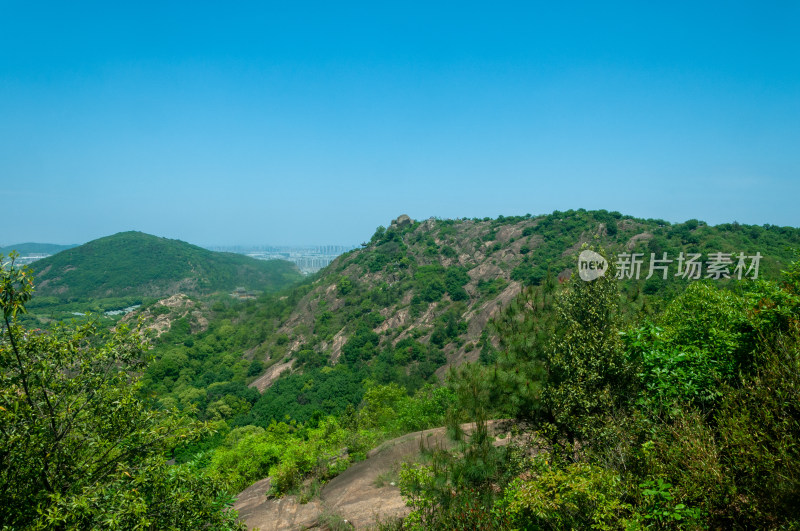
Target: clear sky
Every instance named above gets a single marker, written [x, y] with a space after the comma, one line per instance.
[313, 123]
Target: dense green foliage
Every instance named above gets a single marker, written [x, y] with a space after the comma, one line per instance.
[634, 401]
[78, 449]
[313, 394]
[589, 377]
[127, 268]
[690, 421]
[294, 453]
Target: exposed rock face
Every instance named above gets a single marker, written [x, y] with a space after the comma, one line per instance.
[355, 495]
[466, 245]
[272, 374]
[643, 237]
[402, 221]
[275, 514]
[180, 306]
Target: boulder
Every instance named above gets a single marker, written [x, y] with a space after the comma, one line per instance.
[402, 221]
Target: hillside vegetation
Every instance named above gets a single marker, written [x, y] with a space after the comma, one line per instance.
[639, 403]
[686, 420]
[421, 297]
[129, 267]
[358, 353]
[417, 298]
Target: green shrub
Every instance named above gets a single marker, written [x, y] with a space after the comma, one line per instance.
[579, 496]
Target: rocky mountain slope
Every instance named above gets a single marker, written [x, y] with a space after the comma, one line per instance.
[419, 297]
[419, 294]
[343, 361]
[362, 496]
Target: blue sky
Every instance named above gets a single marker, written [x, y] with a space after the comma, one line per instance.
[306, 123]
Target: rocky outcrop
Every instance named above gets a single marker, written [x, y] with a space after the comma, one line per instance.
[402, 221]
[356, 496]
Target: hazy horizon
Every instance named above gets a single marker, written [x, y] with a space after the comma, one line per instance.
[255, 245]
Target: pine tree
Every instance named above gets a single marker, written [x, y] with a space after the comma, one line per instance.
[588, 375]
[519, 375]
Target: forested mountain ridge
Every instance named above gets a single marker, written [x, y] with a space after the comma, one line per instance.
[642, 403]
[434, 285]
[132, 266]
[417, 298]
[355, 355]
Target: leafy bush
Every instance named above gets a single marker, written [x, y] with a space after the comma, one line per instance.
[430, 282]
[660, 508]
[282, 451]
[759, 426]
[669, 377]
[80, 449]
[709, 319]
[579, 496]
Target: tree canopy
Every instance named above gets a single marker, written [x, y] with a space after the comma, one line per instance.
[78, 447]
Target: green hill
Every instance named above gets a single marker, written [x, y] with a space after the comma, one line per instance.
[35, 248]
[644, 401]
[424, 295]
[357, 353]
[434, 285]
[138, 265]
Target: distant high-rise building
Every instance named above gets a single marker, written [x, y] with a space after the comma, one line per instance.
[308, 259]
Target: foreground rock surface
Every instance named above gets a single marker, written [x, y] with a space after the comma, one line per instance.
[354, 495]
[257, 511]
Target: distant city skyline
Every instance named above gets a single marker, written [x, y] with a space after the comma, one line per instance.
[321, 249]
[293, 124]
[309, 259]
